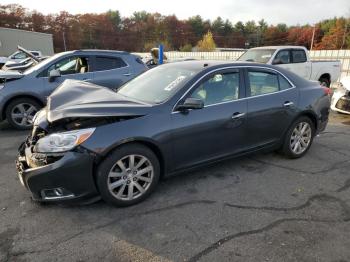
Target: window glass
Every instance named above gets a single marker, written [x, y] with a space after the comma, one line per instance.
[108, 63]
[257, 55]
[299, 56]
[284, 84]
[283, 57]
[68, 66]
[35, 53]
[218, 88]
[261, 83]
[20, 55]
[157, 85]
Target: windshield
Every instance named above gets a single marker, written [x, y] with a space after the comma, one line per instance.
[257, 55]
[42, 64]
[158, 84]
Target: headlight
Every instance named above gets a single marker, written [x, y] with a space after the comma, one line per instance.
[2, 86]
[60, 142]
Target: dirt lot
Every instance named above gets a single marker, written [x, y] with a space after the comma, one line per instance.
[258, 208]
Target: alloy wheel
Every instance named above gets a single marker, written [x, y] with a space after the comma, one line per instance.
[22, 114]
[301, 138]
[130, 177]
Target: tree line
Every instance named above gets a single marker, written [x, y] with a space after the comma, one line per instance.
[142, 31]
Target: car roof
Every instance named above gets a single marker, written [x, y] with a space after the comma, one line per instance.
[279, 47]
[212, 64]
[100, 51]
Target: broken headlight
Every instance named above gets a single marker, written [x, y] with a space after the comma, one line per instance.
[61, 142]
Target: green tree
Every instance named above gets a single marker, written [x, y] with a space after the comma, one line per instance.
[186, 48]
[114, 17]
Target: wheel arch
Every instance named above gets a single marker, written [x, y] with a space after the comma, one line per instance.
[309, 114]
[141, 141]
[326, 76]
[36, 99]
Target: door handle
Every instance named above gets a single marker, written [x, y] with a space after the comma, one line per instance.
[237, 115]
[288, 103]
[87, 79]
[127, 74]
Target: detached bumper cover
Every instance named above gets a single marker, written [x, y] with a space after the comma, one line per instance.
[341, 101]
[72, 172]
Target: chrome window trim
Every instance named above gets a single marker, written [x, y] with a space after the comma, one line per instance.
[127, 66]
[244, 98]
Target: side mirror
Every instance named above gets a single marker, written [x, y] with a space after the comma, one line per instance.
[54, 74]
[277, 61]
[191, 103]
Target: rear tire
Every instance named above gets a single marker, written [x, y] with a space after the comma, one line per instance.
[325, 82]
[298, 138]
[128, 175]
[20, 112]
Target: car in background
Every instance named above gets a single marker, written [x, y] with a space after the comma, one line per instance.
[297, 60]
[23, 94]
[341, 96]
[19, 56]
[91, 141]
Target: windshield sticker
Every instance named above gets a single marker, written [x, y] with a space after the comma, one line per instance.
[174, 83]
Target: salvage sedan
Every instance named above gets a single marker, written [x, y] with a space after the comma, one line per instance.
[341, 97]
[93, 142]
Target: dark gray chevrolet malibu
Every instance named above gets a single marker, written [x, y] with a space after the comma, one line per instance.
[92, 142]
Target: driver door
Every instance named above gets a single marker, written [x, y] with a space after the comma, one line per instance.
[218, 129]
[72, 67]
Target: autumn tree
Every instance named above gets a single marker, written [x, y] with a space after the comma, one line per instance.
[142, 30]
[337, 37]
[207, 43]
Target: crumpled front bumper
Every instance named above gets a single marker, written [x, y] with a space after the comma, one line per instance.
[341, 101]
[66, 178]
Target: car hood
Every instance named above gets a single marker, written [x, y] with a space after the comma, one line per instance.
[10, 74]
[82, 99]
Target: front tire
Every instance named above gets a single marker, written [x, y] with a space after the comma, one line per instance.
[20, 112]
[299, 138]
[128, 175]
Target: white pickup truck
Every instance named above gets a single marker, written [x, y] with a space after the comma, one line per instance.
[295, 59]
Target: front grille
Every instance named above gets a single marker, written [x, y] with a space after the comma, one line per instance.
[343, 103]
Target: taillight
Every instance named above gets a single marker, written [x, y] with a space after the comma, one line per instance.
[328, 91]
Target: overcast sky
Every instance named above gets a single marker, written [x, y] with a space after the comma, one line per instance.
[291, 12]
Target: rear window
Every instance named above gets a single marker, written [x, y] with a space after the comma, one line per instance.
[264, 82]
[298, 56]
[108, 63]
[284, 84]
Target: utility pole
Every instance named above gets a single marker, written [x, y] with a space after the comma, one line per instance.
[64, 41]
[344, 36]
[313, 36]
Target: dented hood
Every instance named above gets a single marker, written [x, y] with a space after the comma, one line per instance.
[81, 99]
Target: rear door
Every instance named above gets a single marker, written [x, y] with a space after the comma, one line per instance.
[299, 64]
[294, 60]
[271, 105]
[111, 71]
